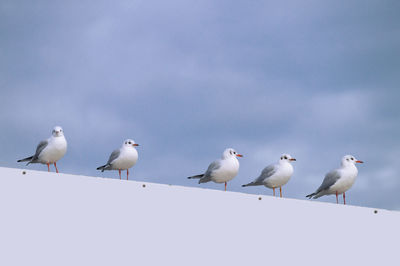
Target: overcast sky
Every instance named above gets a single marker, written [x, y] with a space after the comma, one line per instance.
[187, 79]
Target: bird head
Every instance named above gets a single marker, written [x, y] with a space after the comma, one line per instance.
[350, 159]
[130, 143]
[57, 131]
[230, 153]
[287, 158]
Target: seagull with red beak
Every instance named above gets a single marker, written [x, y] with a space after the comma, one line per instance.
[221, 170]
[275, 175]
[49, 151]
[122, 158]
[338, 181]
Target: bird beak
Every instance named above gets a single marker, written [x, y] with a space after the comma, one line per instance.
[239, 155]
[135, 144]
[292, 159]
[359, 162]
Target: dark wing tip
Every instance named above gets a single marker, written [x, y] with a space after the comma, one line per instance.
[310, 195]
[195, 176]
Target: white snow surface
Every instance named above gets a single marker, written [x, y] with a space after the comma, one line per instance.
[62, 219]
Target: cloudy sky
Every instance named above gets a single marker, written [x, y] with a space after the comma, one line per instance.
[187, 79]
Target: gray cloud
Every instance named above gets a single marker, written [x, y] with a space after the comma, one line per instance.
[187, 79]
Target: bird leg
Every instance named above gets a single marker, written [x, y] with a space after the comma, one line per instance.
[127, 173]
[119, 171]
[336, 198]
[344, 198]
[48, 167]
[225, 186]
[274, 191]
[55, 165]
[280, 190]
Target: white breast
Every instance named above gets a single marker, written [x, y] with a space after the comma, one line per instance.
[346, 181]
[281, 176]
[228, 170]
[126, 159]
[54, 151]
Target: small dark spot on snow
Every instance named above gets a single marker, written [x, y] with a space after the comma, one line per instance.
[259, 198]
[23, 172]
[143, 185]
[376, 211]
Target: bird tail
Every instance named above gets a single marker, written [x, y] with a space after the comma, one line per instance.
[27, 159]
[250, 184]
[205, 179]
[310, 196]
[103, 167]
[196, 176]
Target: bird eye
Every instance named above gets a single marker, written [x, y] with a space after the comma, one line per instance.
[285, 157]
[352, 158]
[129, 142]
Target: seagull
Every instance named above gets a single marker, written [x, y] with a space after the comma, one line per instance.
[338, 181]
[122, 158]
[221, 170]
[275, 175]
[49, 151]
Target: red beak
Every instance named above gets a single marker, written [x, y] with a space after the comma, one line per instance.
[239, 155]
[293, 159]
[135, 144]
[359, 162]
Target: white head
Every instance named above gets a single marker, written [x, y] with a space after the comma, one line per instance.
[129, 143]
[57, 132]
[286, 158]
[230, 153]
[350, 160]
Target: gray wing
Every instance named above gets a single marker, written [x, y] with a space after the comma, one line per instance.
[267, 172]
[114, 155]
[211, 168]
[43, 144]
[329, 180]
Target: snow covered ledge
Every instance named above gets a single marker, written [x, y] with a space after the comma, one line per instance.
[61, 219]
